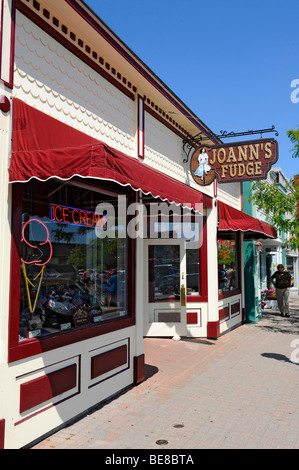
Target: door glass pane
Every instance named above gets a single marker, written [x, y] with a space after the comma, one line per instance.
[164, 272]
[193, 271]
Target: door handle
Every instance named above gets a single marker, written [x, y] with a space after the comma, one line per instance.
[183, 295]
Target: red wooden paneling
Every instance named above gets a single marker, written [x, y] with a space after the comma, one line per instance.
[192, 318]
[2, 431]
[235, 308]
[223, 313]
[213, 329]
[108, 361]
[139, 368]
[48, 386]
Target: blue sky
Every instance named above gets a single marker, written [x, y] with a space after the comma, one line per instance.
[231, 62]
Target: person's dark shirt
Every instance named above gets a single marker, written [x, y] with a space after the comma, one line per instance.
[282, 279]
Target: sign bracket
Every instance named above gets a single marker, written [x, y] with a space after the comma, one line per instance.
[193, 142]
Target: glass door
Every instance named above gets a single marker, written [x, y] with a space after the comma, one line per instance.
[165, 287]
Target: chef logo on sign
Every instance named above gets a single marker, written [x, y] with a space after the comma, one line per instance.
[200, 168]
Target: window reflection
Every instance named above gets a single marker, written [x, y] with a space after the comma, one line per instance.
[69, 276]
[193, 271]
[164, 272]
[228, 263]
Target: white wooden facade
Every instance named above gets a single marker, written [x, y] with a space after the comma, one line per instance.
[92, 82]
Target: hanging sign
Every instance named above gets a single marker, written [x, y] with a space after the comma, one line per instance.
[240, 161]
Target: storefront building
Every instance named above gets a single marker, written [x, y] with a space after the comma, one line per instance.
[106, 235]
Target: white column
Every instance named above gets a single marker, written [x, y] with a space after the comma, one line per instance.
[5, 228]
[140, 270]
[212, 220]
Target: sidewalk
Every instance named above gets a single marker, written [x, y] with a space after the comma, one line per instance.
[240, 391]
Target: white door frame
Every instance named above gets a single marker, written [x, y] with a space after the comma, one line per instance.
[169, 329]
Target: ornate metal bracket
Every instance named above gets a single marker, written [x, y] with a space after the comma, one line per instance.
[193, 142]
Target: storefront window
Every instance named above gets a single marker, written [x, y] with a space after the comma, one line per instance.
[164, 272]
[193, 271]
[228, 264]
[290, 265]
[72, 274]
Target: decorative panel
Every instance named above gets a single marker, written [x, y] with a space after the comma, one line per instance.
[55, 81]
[41, 389]
[109, 360]
[169, 317]
[192, 318]
[224, 313]
[235, 308]
[163, 149]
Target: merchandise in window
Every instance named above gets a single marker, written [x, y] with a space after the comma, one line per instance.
[70, 276]
[228, 264]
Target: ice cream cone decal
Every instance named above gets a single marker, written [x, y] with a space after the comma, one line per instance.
[27, 282]
[37, 254]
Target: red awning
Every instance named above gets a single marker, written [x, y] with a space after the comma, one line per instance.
[231, 219]
[43, 148]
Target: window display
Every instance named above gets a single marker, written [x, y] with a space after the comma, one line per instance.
[70, 276]
[228, 263]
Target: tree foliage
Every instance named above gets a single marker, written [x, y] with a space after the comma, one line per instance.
[279, 207]
[294, 138]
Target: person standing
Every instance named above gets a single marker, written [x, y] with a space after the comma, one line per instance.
[282, 281]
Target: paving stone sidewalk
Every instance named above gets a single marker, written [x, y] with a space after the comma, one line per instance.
[240, 391]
